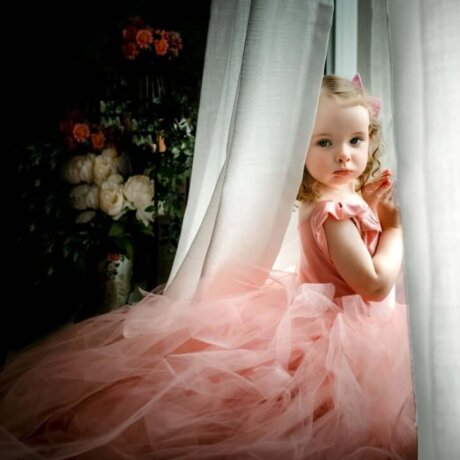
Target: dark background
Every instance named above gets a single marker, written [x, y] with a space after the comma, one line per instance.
[56, 56]
[54, 62]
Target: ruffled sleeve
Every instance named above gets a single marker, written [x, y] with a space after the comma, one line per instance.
[361, 214]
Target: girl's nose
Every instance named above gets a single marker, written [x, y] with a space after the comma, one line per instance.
[342, 155]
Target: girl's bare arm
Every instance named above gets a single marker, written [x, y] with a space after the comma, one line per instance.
[370, 276]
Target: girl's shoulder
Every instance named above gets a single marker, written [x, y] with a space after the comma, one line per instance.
[339, 209]
[305, 209]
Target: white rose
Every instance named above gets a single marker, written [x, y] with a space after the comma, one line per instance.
[92, 197]
[104, 167]
[87, 166]
[139, 191]
[84, 196]
[110, 153]
[111, 199]
[116, 179]
[80, 169]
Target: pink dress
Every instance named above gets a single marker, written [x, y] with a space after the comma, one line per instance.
[299, 369]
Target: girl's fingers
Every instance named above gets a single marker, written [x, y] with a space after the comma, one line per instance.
[376, 183]
[389, 194]
[384, 186]
[379, 189]
[385, 173]
[383, 192]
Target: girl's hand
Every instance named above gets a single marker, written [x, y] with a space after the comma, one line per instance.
[388, 211]
[379, 195]
[373, 191]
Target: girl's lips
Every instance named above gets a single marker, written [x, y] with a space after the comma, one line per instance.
[342, 172]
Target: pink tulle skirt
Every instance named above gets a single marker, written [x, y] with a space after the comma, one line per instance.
[283, 372]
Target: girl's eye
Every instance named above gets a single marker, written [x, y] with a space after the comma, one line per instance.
[324, 143]
[356, 141]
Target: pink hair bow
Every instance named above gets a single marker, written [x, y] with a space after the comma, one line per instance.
[376, 102]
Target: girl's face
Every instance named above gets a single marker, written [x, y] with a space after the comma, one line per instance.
[339, 146]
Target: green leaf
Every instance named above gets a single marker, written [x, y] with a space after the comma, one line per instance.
[147, 230]
[116, 230]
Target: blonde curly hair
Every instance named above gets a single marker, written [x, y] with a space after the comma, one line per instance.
[349, 95]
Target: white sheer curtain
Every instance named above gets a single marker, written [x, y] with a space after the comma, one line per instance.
[263, 68]
[425, 63]
[374, 67]
[262, 74]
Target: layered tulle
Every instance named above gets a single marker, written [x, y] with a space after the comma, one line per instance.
[283, 372]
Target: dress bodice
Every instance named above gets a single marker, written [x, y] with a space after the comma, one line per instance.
[315, 263]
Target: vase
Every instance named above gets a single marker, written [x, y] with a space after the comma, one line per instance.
[117, 269]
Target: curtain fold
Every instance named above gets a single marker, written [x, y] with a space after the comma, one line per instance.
[375, 69]
[224, 52]
[263, 68]
[425, 63]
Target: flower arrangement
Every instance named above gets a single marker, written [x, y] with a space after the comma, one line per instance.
[125, 169]
[98, 183]
[140, 39]
[115, 178]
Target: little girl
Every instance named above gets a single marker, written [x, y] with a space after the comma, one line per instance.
[343, 153]
[312, 366]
